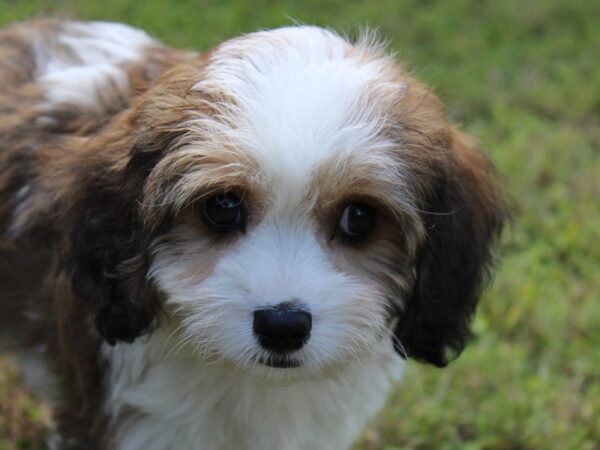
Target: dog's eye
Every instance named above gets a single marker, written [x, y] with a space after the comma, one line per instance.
[223, 213]
[357, 222]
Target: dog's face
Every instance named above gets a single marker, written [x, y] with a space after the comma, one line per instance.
[289, 202]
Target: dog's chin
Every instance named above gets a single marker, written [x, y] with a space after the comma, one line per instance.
[279, 371]
[283, 368]
[290, 368]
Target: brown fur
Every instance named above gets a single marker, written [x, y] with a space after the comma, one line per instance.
[43, 164]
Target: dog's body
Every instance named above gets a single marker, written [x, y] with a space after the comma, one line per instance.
[166, 218]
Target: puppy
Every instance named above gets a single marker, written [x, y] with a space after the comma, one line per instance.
[229, 250]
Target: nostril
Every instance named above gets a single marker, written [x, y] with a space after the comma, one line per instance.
[282, 329]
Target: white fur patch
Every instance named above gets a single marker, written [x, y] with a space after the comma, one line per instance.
[164, 398]
[90, 88]
[280, 261]
[90, 44]
[299, 96]
[84, 65]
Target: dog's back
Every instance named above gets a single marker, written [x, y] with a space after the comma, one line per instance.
[25, 304]
[60, 81]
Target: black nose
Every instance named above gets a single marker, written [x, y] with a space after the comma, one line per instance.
[282, 329]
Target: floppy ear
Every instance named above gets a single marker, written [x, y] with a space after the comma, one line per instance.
[107, 256]
[463, 215]
[107, 247]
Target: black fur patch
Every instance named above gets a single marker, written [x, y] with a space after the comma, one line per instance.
[452, 266]
[108, 251]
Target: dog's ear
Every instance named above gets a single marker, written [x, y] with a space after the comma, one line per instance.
[107, 248]
[463, 215]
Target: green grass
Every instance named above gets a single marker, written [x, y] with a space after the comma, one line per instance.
[523, 76]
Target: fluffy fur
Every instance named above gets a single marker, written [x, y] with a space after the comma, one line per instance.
[135, 320]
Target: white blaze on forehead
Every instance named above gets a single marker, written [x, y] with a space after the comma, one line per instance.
[300, 95]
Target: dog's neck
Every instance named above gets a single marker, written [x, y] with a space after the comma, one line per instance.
[161, 398]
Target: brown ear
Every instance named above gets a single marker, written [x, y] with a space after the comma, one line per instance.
[463, 214]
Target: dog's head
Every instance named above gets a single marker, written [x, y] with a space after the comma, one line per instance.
[288, 200]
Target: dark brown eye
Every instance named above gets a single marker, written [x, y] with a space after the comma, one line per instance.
[357, 222]
[223, 213]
